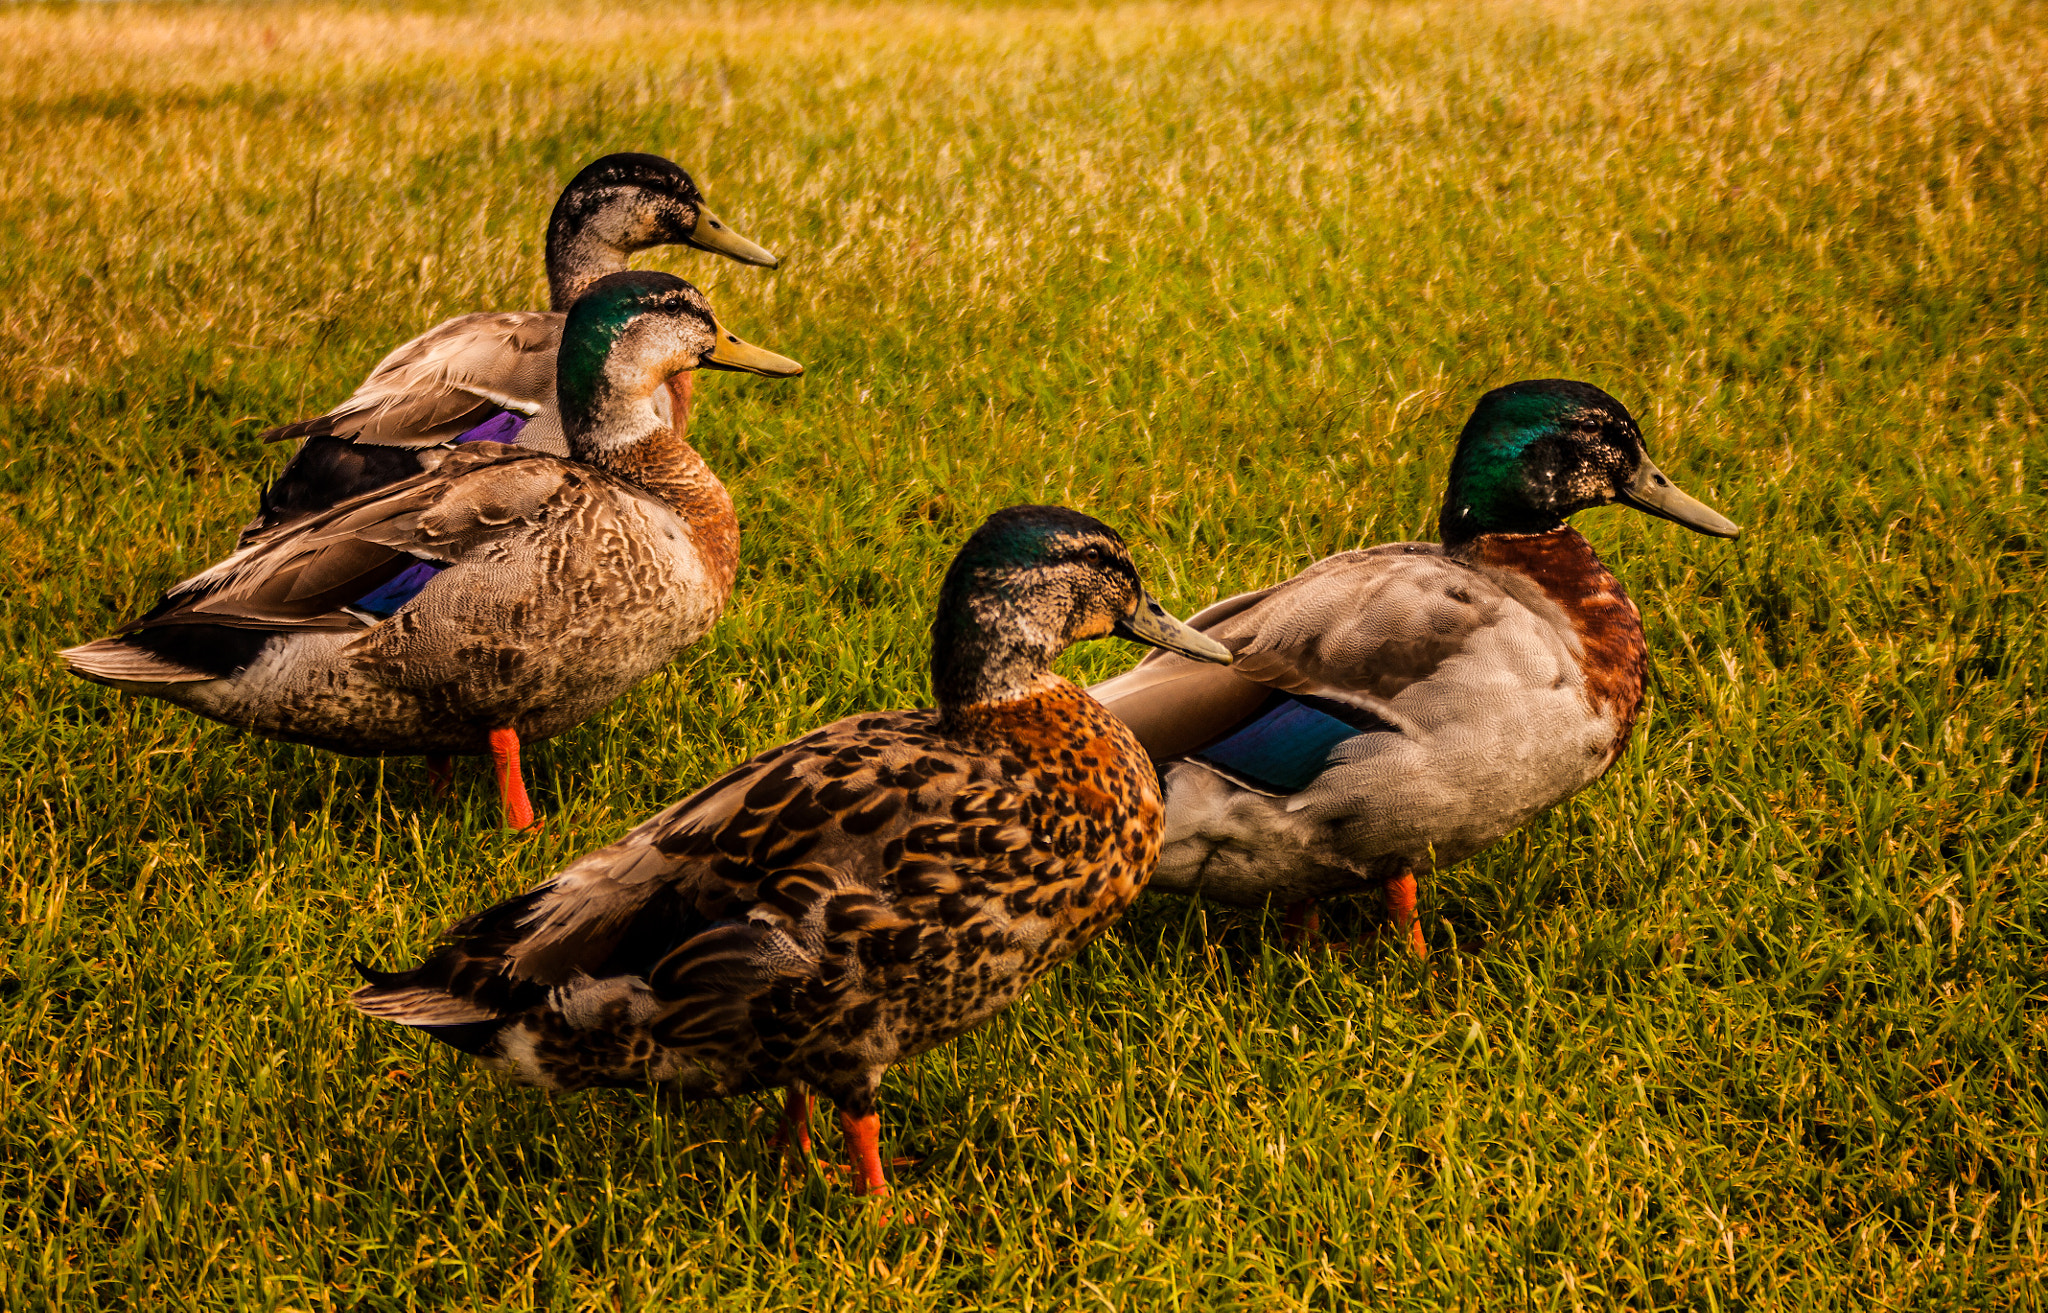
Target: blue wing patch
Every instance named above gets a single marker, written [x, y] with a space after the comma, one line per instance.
[1281, 751]
[386, 600]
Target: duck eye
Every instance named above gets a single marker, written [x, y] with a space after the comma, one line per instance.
[1093, 556]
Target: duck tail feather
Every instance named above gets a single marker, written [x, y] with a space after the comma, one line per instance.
[120, 661]
[320, 426]
[458, 1022]
[375, 978]
[453, 1021]
[411, 1004]
[463, 993]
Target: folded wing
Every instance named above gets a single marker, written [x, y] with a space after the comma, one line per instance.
[742, 914]
[446, 381]
[311, 574]
[1345, 637]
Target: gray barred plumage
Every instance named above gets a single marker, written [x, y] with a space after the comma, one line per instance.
[1397, 709]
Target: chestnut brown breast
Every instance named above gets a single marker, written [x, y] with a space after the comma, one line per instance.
[1612, 652]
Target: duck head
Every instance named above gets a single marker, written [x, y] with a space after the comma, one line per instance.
[1031, 582]
[1536, 452]
[625, 338]
[626, 203]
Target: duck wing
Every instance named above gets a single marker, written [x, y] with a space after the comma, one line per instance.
[446, 381]
[1177, 706]
[780, 900]
[1347, 635]
[303, 575]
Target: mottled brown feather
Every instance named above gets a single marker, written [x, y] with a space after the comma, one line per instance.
[981, 852]
[566, 584]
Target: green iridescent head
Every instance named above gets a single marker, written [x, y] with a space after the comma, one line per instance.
[1030, 582]
[1536, 452]
[625, 338]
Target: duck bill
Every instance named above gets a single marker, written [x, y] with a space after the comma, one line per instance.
[713, 234]
[1152, 626]
[1654, 494]
[746, 358]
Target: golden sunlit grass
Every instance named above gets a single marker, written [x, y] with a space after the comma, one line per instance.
[1756, 1022]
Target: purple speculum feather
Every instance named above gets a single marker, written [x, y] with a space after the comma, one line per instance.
[502, 427]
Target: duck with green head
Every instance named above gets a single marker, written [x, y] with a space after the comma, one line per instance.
[855, 897]
[1397, 709]
[499, 597]
[490, 377]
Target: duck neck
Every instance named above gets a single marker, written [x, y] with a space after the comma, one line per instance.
[987, 649]
[646, 446]
[581, 250]
[1560, 559]
[1484, 499]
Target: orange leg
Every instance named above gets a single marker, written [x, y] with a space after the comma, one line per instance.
[1400, 896]
[511, 785]
[1302, 926]
[441, 776]
[864, 1147]
[796, 1122]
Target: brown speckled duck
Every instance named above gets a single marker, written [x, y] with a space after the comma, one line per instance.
[490, 377]
[1397, 709]
[854, 897]
[499, 597]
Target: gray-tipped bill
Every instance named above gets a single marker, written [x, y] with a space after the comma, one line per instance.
[745, 357]
[712, 234]
[1651, 492]
[1152, 626]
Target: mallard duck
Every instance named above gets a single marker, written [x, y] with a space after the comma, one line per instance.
[854, 897]
[1397, 709]
[500, 596]
[490, 377]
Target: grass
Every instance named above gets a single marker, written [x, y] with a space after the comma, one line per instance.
[1756, 1022]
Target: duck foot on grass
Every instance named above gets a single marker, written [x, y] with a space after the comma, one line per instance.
[511, 783]
[792, 1136]
[1301, 926]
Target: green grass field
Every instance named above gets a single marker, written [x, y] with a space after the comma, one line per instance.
[1760, 1021]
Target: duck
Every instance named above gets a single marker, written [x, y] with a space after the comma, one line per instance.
[499, 596]
[1396, 709]
[490, 376]
[854, 897]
